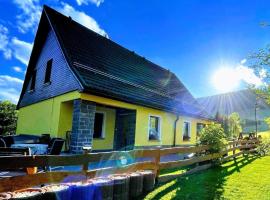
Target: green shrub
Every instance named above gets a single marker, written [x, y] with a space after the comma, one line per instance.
[8, 118]
[263, 147]
[213, 135]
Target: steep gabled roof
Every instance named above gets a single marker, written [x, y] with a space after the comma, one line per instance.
[107, 69]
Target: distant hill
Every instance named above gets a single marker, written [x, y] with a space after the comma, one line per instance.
[242, 102]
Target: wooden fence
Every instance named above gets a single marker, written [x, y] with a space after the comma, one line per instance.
[84, 160]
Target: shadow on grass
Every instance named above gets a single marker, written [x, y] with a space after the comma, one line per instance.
[207, 184]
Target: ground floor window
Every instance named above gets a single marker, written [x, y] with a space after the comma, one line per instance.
[200, 126]
[99, 125]
[186, 131]
[154, 128]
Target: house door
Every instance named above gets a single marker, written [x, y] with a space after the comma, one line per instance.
[124, 136]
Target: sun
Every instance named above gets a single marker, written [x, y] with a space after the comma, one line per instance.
[225, 79]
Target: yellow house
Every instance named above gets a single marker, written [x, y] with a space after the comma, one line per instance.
[83, 85]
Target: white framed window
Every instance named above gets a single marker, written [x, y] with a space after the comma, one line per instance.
[200, 126]
[186, 131]
[154, 127]
[99, 125]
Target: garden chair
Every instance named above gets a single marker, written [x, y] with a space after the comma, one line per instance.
[2, 143]
[55, 146]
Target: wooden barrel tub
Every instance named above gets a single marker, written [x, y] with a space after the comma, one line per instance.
[82, 190]
[5, 195]
[27, 194]
[135, 185]
[56, 192]
[148, 180]
[120, 186]
[103, 188]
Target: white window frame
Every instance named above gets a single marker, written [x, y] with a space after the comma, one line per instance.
[103, 125]
[159, 126]
[183, 130]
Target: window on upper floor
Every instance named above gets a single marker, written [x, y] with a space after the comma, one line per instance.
[154, 128]
[33, 80]
[99, 125]
[186, 131]
[48, 71]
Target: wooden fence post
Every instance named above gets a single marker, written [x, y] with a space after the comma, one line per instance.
[85, 163]
[157, 162]
[234, 145]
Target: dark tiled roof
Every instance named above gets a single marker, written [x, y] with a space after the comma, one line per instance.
[108, 69]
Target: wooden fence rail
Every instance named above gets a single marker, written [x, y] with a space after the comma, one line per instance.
[154, 162]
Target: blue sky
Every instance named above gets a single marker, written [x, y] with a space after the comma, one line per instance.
[195, 39]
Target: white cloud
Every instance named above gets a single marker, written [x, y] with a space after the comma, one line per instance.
[10, 88]
[243, 61]
[226, 79]
[21, 50]
[17, 69]
[14, 47]
[96, 2]
[29, 16]
[247, 75]
[6, 80]
[4, 41]
[81, 18]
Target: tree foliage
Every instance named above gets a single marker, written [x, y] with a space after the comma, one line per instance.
[260, 63]
[231, 124]
[214, 136]
[267, 121]
[8, 118]
[234, 125]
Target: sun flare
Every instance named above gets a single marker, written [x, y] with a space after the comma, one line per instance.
[225, 79]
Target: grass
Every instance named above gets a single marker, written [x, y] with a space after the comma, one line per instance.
[264, 134]
[244, 178]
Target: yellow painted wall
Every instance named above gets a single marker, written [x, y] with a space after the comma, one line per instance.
[107, 141]
[44, 116]
[142, 117]
[193, 130]
[54, 116]
[35, 119]
[65, 119]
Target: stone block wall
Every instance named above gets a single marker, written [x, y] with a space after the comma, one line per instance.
[82, 125]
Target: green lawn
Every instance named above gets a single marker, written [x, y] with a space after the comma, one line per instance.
[244, 178]
[265, 134]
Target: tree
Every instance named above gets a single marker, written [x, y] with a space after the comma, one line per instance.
[8, 118]
[214, 136]
[260, 63]
[235, 127]
[267, 121]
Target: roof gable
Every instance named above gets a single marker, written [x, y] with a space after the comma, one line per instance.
[46, 47]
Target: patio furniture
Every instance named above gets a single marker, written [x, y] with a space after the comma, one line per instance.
[45, 139]
[36, 149]
[2, 143]
[8, 140]
[55, 146]
[68, 139]
[7, 151]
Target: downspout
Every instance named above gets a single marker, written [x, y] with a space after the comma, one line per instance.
[174, 130]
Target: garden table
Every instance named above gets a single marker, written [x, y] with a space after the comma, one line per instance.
[35, 149]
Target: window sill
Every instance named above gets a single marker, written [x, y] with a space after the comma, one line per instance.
[187, 140]
[47, 83]
[154, 140]
[99, 138]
